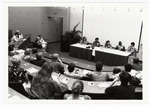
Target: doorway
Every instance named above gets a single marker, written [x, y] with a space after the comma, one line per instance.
[56, 28]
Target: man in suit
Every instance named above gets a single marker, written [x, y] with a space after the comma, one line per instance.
[39, 61]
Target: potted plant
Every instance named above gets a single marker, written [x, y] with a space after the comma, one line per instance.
[73, 36]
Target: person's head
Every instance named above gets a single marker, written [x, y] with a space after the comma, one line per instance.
[46, 70]
[136, 60]
[84, 38]
[77, 87]
[120, 43]
[132, 44]
[39, 55]
[71, 67]
[16, 34]
[116, 70]
[99, 66]
[11, 47]
[27, 52]
[97, 39]
[128, 67]
[107, 43]
[125, 78]
[55, 56]
[15, 60]
[39, 36]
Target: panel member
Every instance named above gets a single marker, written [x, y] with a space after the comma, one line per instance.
[96, 43]
[120, 46]
[132, 49]
[107, 44]
[84, 41]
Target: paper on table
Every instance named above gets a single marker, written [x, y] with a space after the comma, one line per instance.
[32, 70]
[102, 85]
[85, 72]
[65, 80]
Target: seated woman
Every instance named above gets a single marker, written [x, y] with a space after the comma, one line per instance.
[84, 41]
[71, 72]
[39, 42]
[17, 76]
[43, 86]
[107, 44]
[77, 89]
[120, 46]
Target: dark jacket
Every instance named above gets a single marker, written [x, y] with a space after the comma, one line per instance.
[38, 62]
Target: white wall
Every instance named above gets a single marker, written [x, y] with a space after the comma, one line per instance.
[76, 17]
[61, 12]
[25, 19]
[113, 22]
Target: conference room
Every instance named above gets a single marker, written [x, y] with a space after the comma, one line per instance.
[76, 51]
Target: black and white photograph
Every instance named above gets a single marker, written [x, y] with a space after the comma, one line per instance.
[76, 51]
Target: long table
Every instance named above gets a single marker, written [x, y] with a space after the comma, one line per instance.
[90, 87]
[107, 56]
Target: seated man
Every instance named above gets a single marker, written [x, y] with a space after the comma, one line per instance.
[120, 46]
[39, 61]
[116, 73]
[57, 63]
[132, 49]
[98, 75]
[71, 72]
[123, 91]
[96, 43]
[136, 64]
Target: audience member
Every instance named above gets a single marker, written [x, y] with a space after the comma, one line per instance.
[57, 63]
[43, 86]
[71, 72]
[39, 42]
[98, 75]
[107, 44]
[136, 64]
[96, 43]
[132, 49]
[27, 54]
[17, 74]
[120, 46]
[11, 49]
[77, 89]
[84, 41]
[39, 61]
[123, 91]
[116, 73]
